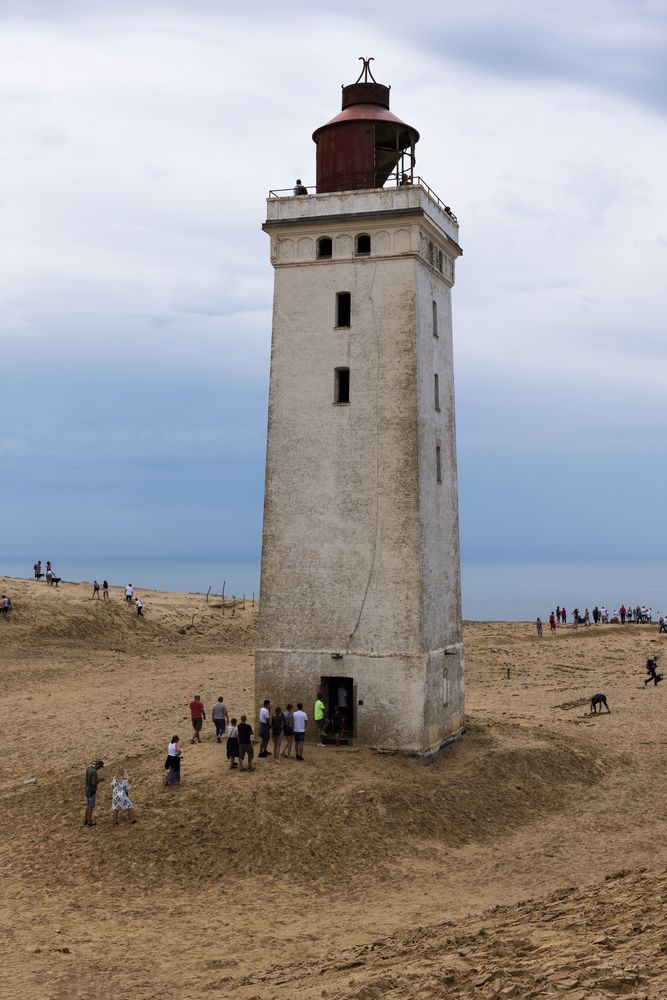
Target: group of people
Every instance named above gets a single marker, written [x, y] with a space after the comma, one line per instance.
[640, 614]
[48, 574]
[120, 794]
[284, 729]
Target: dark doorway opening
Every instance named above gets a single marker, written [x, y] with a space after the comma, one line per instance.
[339, 695]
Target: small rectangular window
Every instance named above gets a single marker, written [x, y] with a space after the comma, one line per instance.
[343, 308]
[436, 389]
[435, 318]
[342, 385]
[438, 464]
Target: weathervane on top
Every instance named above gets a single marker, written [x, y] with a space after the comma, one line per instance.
[366, 70]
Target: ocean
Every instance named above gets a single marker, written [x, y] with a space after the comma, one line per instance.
[492, 591]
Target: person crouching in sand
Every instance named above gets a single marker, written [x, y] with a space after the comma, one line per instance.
[597, 701]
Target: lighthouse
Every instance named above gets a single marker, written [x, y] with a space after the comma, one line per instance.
[360, 581]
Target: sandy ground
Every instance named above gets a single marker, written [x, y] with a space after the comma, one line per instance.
[528, 861]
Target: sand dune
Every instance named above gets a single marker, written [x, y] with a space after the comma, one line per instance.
[492, 872]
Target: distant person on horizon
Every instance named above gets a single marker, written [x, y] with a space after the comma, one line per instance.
[563, 615]
[587, 617]
[552, 622]
[105, 590]
[197, 716]
[597, 701]
[38, 570]
[621, 612]
[538, 625]
[558, 615]
[129, 593]
[96, 589]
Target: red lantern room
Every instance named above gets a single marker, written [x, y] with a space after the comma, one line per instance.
[365, 145]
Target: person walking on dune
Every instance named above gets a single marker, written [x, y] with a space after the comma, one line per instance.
[220, 718]
[233, 745]
[538, 625]
[245, 744]
[552, 622]
[197, 716]
[652, 671]
[129, 593]
[173, 762]
[597, 701]
[92, 781]
[139, 606]
[120, 796]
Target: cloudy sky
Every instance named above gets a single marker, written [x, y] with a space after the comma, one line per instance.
[140, 139]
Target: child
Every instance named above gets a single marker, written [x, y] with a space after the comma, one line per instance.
[233, 745]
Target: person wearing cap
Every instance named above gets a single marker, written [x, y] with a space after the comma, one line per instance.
[92, 781]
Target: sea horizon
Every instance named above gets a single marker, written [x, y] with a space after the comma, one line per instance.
[492, 590]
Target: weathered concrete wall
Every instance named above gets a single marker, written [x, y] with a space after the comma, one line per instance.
[360, 545]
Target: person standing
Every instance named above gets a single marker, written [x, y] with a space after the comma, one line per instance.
[245, 744]
[538, 625]
[277, 722]
[563, 615]
[197, 716]
[300, 720]
[173, 762]
[288, 730]
[220, 718]
[96, 589]
[320, 715]
[120, 796]
[92, 781]
[264, 728]
[337, 722]
[129, 593]
[622, 613]
[105, 590]
[552, 622]
[558, 614]
[233, 745]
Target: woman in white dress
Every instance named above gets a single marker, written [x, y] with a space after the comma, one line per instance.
[120, 797]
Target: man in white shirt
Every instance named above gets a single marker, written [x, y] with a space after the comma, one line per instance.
[264, 728]
[129, 593]
[139, 606]
[300, 720]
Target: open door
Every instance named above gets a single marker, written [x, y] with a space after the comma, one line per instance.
[339, 694]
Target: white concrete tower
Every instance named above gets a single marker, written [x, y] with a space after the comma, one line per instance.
[360, 589]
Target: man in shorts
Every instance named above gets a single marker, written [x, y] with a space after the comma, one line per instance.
[320, 714]
[220, 718]
[92, 781]
[597, 701]
[197, 716]
[264, 728]
[245, 744]
[300, 720]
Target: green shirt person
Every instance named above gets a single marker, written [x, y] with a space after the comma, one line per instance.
[320, 714]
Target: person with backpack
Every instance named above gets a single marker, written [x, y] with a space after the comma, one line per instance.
[277, 722]
[288, 730]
